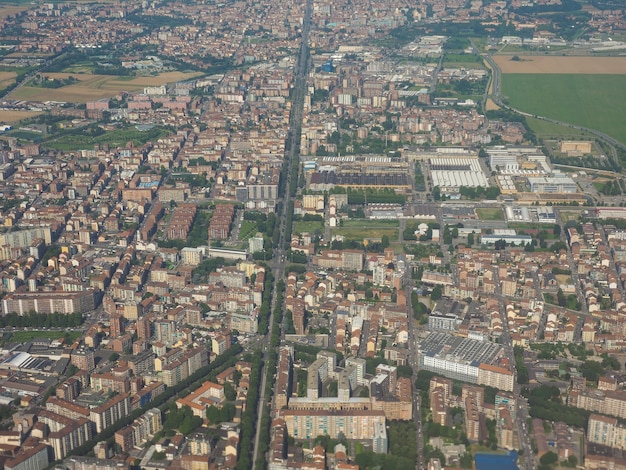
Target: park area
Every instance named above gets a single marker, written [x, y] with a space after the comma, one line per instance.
[93, 87]
[586, 91]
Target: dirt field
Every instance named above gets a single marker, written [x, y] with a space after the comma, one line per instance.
[6, 10]
[14, 116]
[554, 64]
[490, 105]
[93, 87]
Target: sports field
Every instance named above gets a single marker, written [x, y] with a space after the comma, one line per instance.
[593, 101]
[360, 229]
[93, 87]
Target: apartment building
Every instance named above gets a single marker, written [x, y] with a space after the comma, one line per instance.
[140, 431]
[66, 408]
[599, 401]
[49, 302]
[35, 458]
[306, 424]
[208, 394]
[606, 431]
[110, 412]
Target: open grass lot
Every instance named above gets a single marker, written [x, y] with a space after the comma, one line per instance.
[15, 116]
[300, 226]
[361, 229]
[490, 213]
[93, 87]
[545, 129]
[248, 229]
[463, 60]
[562, 64]
[594, 101]
[24, 336]
[566, 216]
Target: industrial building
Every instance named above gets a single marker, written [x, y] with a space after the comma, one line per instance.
[508, 235]
[558, 183]
[452, 173]
[457, 357]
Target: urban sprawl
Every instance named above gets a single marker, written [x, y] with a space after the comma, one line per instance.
[304, 235]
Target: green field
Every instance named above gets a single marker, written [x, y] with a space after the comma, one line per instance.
[566, 216]
[79, 139]
[361, 229]
[594, 101]
[549, 130]
[490, 213]
[463, 60]
[312, 226]
[24, 336]
[248, 229]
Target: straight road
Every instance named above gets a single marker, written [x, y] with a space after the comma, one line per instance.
[278, 262]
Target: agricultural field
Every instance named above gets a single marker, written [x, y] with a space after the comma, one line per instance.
[6, 78]
[360, 229]
[561, 65]
[92, 87]
[593, 101]
[9, 9]
[10, 116]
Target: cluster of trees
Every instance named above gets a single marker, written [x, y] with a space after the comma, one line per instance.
[248, 418]
[545, 403]
[268, 225]
[462, 87]
[522, 370]
[40, 320]
[420, 182]
[270, 371]
[420, 311]
[479, 192]
[570, 301]
[264, 311]
[402, 449]
[432, 429]
[492, 439]
[47, 82]
[181, 419]
[219, 415]
[209, 265]
[611, 188]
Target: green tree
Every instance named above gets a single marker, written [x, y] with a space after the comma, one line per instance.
[549, 458]
[436, 293]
